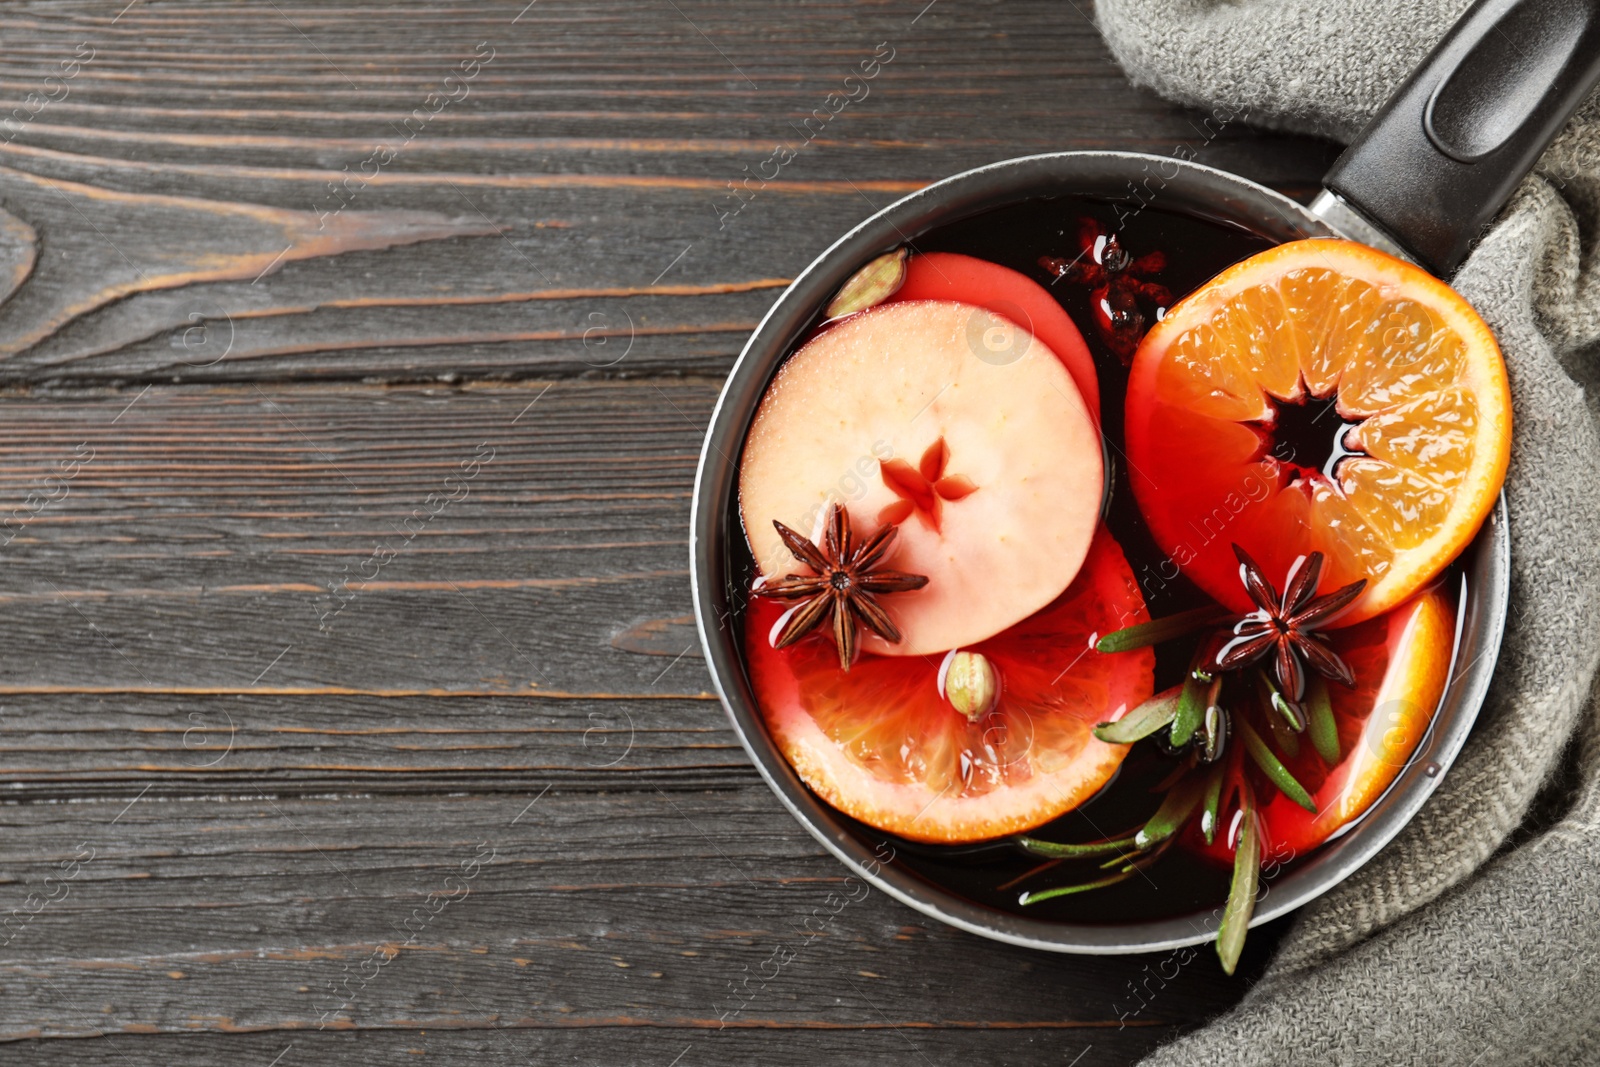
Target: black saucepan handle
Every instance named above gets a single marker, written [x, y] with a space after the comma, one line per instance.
[1445, 153]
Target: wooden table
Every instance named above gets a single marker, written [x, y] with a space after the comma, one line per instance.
[357, 360]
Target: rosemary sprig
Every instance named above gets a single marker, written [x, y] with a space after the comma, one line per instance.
[1066, 890]
[1274, 769]
[1132, 852]
[1175, 809]
[1157, 631]
[1200, 690]
[1291, 713]
[1209, 805]
[1121, 846]
[1215, 736]
[1324, 731]
[1242, 892]
[1142, 721]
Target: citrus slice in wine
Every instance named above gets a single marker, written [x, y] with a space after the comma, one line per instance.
[1319, 396]
[952, 424]
[1401, 662]
[883, 743]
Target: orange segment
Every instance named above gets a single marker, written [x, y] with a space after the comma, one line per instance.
[1402, 662]
[1420, 433]
[881, 743]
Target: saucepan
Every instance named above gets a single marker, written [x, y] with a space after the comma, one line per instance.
[1423, 181]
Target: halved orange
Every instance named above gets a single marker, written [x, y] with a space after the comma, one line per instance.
[1401, 662]
[881, 743]
[1420, 399]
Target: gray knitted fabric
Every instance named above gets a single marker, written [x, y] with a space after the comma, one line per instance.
[1452, 946]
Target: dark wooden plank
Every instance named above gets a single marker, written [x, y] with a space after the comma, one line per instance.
[493, 538]
[328, 585]
[547, 911]
[81, 743]
[901, 1045]
[599, 147]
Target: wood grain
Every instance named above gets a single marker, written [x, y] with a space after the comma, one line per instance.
[553, 910]
[603, 172]
[342, 520]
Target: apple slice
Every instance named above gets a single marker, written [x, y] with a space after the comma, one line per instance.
[956, 425]
[1009, 294]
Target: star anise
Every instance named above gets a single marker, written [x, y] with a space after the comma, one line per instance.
[1117, 280]
[844, 585]
[1287, 625]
